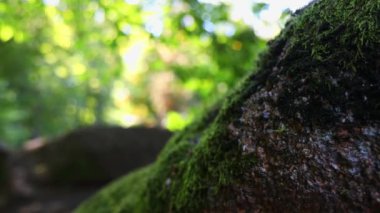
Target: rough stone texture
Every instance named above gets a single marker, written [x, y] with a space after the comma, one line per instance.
[303, 134]
[95, 154]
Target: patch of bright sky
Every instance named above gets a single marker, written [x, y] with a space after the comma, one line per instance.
[153, 22]
[266, 24]
[134, 54]
[51, 2]
[99, 16]
[132, 1]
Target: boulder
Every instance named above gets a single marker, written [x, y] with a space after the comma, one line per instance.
[94, 154]
[4, 175]
[301, 134]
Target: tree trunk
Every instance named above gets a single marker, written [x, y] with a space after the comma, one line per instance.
[303, 134]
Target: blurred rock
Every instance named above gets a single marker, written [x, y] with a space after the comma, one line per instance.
[4, 175]
[94, 155]
[34, 143]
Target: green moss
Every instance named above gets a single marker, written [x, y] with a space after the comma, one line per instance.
[330, 40]
[168, 184]
[117, 198]
[335, 27]
[199, 166]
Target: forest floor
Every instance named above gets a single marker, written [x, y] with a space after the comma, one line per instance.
[31, 197]
[35, 181]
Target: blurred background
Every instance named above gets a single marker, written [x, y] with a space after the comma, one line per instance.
[69, 63]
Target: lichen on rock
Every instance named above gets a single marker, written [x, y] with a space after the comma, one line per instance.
[302, 134]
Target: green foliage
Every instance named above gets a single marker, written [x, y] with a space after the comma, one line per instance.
[69, 63]
[259, 7]
[119, 194]
[49, 81]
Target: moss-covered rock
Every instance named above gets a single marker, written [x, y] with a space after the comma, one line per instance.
[300, 135]
[95, 154]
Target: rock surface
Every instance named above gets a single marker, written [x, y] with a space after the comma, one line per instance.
[96, 154]
[303, 134]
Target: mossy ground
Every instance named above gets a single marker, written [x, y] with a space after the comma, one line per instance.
[321, 74]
